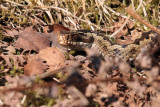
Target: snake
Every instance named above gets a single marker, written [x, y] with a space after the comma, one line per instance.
[79, 40]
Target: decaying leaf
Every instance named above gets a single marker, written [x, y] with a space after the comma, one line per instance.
[34, 66]
[84, 79]
[8, 56]
[53, 56]
[32, 40]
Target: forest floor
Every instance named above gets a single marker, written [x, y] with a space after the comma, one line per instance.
[36, 71]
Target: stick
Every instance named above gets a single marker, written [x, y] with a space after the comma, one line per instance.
[139, 18]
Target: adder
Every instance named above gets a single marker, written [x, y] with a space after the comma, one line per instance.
[81, 39]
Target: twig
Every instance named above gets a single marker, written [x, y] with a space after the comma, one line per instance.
[133, 4]
[24, 81]
[128, 17]
[47, 74]
[114, 12]
[38, 19]
[139, 18]
[139, 5]
[47, 11]
[14, 3]
[121, 27]
[104, 9]
[69, 13]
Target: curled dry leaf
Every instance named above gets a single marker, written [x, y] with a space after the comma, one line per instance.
[136, 34]
[34, 66]
[53, 56]
[123, 37]
[128, 39]
[130, 24]
[32, 40]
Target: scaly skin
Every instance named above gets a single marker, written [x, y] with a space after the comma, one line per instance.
[79, 40]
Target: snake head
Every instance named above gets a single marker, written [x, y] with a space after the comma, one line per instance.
[75, 40]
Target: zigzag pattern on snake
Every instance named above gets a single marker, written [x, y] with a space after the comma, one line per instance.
[79, 40]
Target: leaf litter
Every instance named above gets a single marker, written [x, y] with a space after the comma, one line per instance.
[88, 79]
[106, 82]
[51, 79]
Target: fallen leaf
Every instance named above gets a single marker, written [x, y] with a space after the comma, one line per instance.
[136, 34]
[34, 66]
[32, 40]
[8, 54]
[53, 56]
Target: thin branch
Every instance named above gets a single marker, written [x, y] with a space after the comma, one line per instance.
[114, 12]
[26, 80]
[124, 24]
[128, 17]
[69, 13]
[49, 73]
[139, 18]
[58, 8]
[14, 3]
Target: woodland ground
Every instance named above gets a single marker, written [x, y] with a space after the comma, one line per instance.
[33, 73]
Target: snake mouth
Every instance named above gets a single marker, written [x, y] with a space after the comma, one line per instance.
[75, 41]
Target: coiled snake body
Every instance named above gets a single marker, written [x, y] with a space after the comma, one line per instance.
[79, 40]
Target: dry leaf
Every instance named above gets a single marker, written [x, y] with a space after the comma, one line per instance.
[34, 66]
[8, 54]
[53, 56]
[32, 40]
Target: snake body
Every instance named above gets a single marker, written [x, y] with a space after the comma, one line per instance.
[79, 40]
